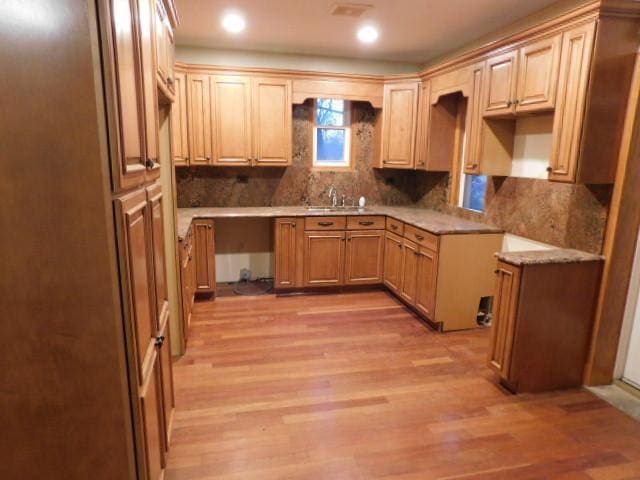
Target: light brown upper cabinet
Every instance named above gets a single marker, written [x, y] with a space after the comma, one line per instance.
[399, 125]
[271, 121]
[473, 151]
[179, 123]
[231, 109]
[199, 114]
[364, 257]
[165, 48]
[422, 137]
[523, 80]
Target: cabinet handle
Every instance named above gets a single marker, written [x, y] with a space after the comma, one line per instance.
[325, 224]
[399, 245]
[549, 169]
[293, 224]
[169, 81]
[349, 239]
[496, 272]
[159, 341]
[208, 159]
[209, 227]
[509, 103]
[149, 163]
[419, 237]
[394, 227]
[516, 102]
[365, 223]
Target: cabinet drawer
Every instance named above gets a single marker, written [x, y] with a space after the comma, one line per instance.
[395, 226]
[421, 237]
[362, 222]
[325, 223]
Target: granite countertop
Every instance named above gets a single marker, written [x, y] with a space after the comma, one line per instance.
[429, 220]
[542, 257]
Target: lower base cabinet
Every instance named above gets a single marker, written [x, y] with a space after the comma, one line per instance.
[408, 271]
[364, 257]
[324, 258]
[204, 255]
[392, 262]
[187, 281]
[541, 326]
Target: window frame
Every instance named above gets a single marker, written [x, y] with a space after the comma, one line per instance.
[349, 163]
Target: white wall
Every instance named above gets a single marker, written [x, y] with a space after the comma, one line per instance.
[532, 146]
[242, 58]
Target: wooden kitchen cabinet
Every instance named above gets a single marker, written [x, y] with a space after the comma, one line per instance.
[205, 255]
[500, 84]
[166, 372]
[271, 122]
[422, 133]
[179, 122]
[399, 125]
[364, 257]
[187, 280]
[152, 421]
[288, 252]
[408, 271]
[324, 258]
[473, 154]
[426, 282]
[538, 66]
[155, 199]
[392, 277]
[199, 114]
[541, 325]
[231, 125]
[165, 48]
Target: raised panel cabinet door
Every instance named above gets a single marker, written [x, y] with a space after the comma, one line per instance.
[126, 89]
[231, 107]
[426, 282]
[147, 49]
[155, 199]
[205, 255]
[422, 134]
[409, 271]
[152, 422]
[186, 301]
[179, 131]
[166, 369]
[473, 152]
[364, 257]
[199, 110]
[399, 124]
[392, 261]
[323, 258]
[134, 219]
[538, 75]
[503, 321]
[500, 84]
[570, 101]
[286, 251]
[271, 121]
[162, 67]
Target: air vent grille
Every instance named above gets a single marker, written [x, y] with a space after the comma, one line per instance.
[354, 10]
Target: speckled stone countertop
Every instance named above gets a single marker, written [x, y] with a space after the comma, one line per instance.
[429, 220]
[543, 257]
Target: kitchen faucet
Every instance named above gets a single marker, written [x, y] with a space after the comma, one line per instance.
[333, 195]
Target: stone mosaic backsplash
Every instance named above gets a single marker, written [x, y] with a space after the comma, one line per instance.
[565, 215]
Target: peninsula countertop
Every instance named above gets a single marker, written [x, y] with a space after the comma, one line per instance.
[429, 220]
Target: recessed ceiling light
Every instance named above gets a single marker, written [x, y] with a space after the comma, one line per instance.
[368, 34]
[233, 22]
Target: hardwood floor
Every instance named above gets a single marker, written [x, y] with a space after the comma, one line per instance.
[353, 386]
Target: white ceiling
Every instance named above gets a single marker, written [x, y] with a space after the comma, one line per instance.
[410, 30]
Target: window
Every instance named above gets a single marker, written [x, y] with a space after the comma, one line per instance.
[474, 191]
[331, 133]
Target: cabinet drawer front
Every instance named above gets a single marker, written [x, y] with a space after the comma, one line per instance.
[325, 223]
[365, 223]
[421, 237]
[395, 226]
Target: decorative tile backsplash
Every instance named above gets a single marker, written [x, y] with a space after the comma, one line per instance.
[571, 216]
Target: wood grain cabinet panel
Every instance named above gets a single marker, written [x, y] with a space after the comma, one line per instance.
[153, 422]
[155, 199]
[364, 257]
[399, 125]
[500, 84]
[473, 152]
[179, 122]
[422, 133]
[408, 271]
[166, 370]
[287, 252]
[538, 75]
[426, 282]
[205, 255]
[271, 121]
[393, 262]
[324, 258]
[231, 107]
[199, 109]
[165, 47]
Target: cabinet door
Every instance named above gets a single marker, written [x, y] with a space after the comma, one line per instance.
[409, 271]
[152, 421]
[323, 258]
[473, 152]
[147, 50]
[162, 67]
[393, 261]
[271, 121]
[399, 125]
[500, 84]
[166, 370]
[364, 257]
[179, 131]
[134, 218]
[422, 135]
[126, 89]
[155, 198]
[186, 300]
[570, 101]
[426, 280]
[538, 75]
[205, 255]
[199, 109]
[503, 322]
[231, 107]
[287, 252]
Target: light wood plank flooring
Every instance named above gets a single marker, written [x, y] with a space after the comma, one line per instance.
[353, 386]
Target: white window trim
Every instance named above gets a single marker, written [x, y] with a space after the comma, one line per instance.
[346, 152]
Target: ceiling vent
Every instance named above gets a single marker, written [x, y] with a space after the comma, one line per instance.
[354, 10]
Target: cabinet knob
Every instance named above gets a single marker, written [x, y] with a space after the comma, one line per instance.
[509, 102]
[159, 341]
[208, 159]
[169, 81]
[209, 227]
[549, 169]
[516, 102]
[496, 271]
[293, 224]
[149, 163]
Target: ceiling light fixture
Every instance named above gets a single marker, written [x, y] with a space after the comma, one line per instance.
[233, 22]
[368, 34]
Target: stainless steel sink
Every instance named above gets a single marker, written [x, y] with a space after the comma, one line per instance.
[332, 209]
